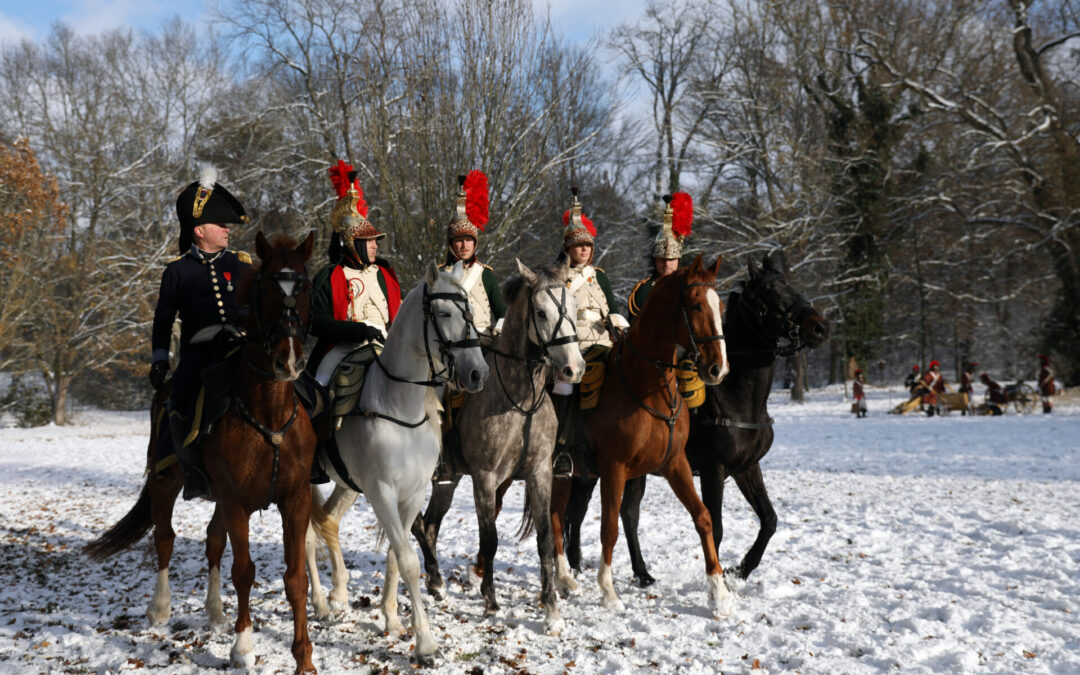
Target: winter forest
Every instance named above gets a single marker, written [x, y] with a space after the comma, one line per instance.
[917, 161]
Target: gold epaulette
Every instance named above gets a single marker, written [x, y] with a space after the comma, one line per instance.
[175, 259]
[244, 257]
[598, 269]
[631, 304]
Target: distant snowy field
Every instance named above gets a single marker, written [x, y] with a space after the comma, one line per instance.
[906, 544]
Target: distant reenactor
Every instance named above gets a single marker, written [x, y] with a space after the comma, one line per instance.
[859, 407]
[1046, 383]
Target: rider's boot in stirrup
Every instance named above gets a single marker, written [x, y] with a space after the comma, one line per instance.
[195, 482]
[562, 465]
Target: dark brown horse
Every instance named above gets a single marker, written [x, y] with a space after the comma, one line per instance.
[641, 424]
[732, 431]
[259, 453]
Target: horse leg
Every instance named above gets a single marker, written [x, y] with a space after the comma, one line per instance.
[408, 564]
[216, 537]
[752, 486]
[318, 595]
[560, 494]
[425, 529]
[712, 495]
[295, 513]
[630, 510]
[681, 479]
[326, 517]
[486, 512]
[163, 492]
[242, 654]
[612, 483]
[391, 621]
[581, 491]
[538, 492]
[500, 492]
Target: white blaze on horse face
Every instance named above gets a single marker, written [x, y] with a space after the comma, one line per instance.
[713, 299]
[287, 286]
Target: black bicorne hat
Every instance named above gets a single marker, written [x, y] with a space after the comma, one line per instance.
[205, 201]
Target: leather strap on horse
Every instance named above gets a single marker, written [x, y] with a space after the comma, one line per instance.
[334, 455]
[676, 403]
[728, 422]
[274, 438]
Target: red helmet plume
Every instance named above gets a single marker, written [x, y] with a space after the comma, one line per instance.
[476, 198]
[682, 214]
[584, 221]
[341, 175]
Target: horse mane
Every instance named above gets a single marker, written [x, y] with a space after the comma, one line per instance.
[547, 275]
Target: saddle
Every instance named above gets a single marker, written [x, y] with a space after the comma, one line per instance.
[348, 381]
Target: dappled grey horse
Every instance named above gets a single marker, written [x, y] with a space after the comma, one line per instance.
[508, 430]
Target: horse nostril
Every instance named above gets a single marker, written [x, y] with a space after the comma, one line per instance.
[714, 370]
[568, 372]
[819, 330]
[474, 377]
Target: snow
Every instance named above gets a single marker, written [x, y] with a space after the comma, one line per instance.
[907, 543]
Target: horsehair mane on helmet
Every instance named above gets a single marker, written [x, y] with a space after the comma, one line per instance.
[473, 203]
[204, 202]
[577, 229]
[349, 217]
[676, 227]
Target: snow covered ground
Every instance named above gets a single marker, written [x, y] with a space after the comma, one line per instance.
[904, 544]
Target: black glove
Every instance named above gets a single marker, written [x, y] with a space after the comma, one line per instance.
[373, 334]
[159, 370]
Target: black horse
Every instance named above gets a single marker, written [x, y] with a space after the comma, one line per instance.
[732, 430]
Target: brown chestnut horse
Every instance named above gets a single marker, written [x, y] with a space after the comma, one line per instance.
[259, 453]
[641, 423]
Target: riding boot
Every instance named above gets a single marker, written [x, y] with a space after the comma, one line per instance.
[562, 463]
[444, 470]
[195, 481]
[1047, 407]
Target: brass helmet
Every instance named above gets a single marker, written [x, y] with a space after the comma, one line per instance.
[349, 217]
[471, 213]
[678, 218]
[577, 229]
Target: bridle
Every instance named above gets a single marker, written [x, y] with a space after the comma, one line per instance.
[787, 318]
[445, 344]
[288, 325]
[675, 402]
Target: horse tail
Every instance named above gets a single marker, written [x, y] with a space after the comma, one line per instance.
[527, 525]
[125, 533]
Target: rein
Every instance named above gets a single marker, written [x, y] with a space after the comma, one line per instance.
[445, 345]
[786, 317]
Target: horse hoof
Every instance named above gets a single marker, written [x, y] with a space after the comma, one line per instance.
[425, 660]
[613, 603]
[158, 618]
[567, 584]
[721, 602]
[554, 625]
[724, 608]
[644, 580]
[218, 625]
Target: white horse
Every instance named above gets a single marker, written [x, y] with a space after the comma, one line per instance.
[390, 445]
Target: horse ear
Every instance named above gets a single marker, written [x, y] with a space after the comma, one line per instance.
[458, 270]
[752, 268]
[431, 274]
[715, 268]
[767, 263]
[307, 246]
[262, 247]
[696, 265]
[527, 274]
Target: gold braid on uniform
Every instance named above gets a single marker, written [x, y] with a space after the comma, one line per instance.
[632, 303]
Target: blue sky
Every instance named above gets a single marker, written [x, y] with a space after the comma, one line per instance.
[577, 19]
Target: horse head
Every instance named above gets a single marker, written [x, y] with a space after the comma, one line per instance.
[279, 300]
[551, 319]
[778, 310]
[701, 331]
[452, 335]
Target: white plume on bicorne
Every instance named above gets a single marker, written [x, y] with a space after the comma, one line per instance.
[207, 176]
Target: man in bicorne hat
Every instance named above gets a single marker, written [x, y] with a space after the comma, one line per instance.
[596, 316]
[356, 297]
[462, 236]
[200, 286]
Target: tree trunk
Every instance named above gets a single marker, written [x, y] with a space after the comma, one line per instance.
[60, 400]
[798, 380]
